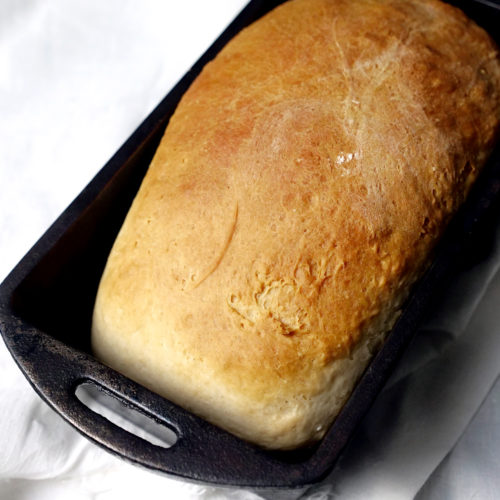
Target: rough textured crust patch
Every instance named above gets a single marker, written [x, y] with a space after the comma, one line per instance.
[295, 198]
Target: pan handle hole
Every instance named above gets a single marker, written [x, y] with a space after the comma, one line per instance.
[125, 416]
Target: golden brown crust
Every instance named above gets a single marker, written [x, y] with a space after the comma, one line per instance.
[295, 198]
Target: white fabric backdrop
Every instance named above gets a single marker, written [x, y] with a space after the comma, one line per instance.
[76, 78]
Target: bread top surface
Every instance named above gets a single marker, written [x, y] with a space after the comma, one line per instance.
[294, 199]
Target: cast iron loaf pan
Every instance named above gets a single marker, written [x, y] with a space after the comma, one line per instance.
[46, 307]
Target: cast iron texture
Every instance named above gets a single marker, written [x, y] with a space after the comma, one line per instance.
[46, 306]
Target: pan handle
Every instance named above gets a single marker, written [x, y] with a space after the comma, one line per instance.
[202, 452]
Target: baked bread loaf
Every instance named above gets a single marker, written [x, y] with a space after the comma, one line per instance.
[295, 198]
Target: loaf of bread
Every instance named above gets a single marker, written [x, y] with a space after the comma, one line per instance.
[294, 200]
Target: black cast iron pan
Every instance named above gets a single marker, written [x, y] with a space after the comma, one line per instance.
[46, 306]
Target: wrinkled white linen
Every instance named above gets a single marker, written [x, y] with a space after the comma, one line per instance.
[76, 78]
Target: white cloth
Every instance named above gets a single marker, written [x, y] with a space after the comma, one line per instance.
[76, 78]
